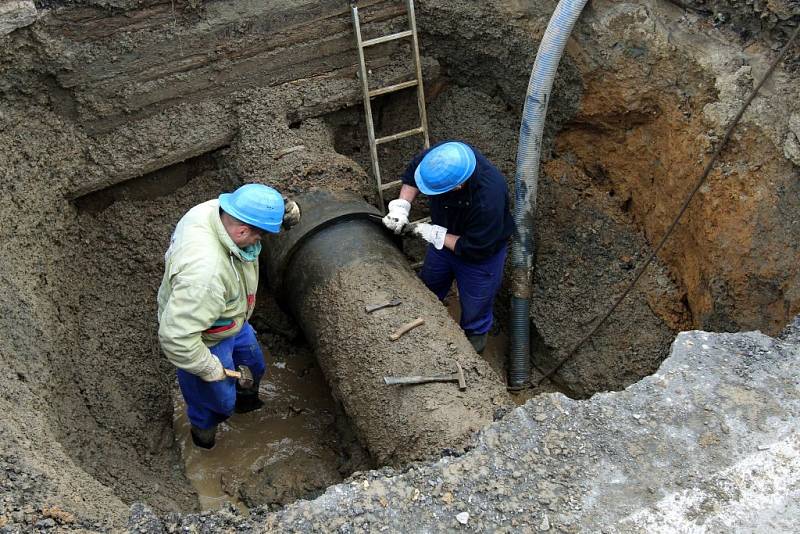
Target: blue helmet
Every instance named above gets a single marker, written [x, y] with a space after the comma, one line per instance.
[256, 205]
[445, 167]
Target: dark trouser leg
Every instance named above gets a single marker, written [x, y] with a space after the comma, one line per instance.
[208, 403]
[247, 351]
[437, 273]
[478, 284]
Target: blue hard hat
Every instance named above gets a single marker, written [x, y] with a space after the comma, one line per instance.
[255, 204]
[445, 167]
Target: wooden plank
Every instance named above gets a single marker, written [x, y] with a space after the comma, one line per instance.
[211, 128]
[214, 142]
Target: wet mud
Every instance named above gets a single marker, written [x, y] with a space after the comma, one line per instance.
[293, 448]
[641, 99]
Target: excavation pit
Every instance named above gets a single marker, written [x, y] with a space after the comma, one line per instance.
[108, 141]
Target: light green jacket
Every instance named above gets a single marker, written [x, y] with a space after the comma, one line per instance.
[207, 293]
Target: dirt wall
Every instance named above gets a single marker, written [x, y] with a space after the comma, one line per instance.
[649, 119]
[644, 92]
[66, 395]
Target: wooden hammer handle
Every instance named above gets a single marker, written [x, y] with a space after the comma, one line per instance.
[408, 380]
[233, 374]
[405, 328]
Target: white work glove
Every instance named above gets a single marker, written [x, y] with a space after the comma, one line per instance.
[215, 373]
[291, 214]
[397, 217]
[432, 233]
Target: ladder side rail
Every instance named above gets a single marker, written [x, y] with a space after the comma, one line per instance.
[423, 116]
[373, 147]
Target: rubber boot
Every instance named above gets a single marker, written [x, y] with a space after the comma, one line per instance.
[478, 342]
[204, 438]
[247, 401]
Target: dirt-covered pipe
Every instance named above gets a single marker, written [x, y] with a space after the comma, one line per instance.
[325, 271]
[526, 182]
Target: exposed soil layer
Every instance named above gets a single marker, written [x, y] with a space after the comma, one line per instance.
[100, 93]
[642, 134]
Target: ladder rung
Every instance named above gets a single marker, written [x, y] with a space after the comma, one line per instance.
[400, 135]
[393, 88]
[385, 38]
[390, 185]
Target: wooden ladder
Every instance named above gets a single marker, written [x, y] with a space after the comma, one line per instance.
[369, 94]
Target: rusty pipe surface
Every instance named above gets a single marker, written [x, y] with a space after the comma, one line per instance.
[325, 271]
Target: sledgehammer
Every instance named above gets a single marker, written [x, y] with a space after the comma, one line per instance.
[243, 375]
[458, 376]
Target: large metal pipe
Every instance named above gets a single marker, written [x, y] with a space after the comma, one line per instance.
[324, 271]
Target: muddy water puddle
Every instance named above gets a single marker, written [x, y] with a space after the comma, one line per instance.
[295, 446]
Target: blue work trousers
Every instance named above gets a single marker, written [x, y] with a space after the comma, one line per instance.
[478, 284]
[210, 403]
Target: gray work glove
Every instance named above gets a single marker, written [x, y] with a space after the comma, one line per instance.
[215, 372]
[291, 215]
[432, 233]
[397, 217]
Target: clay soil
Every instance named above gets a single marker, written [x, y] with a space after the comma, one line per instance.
[641, 98]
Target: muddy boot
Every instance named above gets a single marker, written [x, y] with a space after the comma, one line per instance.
[247, 401]
[478, 342]
[204, 439]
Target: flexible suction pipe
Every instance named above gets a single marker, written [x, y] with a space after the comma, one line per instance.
[526, 182]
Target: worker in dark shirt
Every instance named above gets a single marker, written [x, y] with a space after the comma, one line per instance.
[470, 226]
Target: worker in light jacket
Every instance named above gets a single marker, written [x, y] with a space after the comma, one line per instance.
[470, 226]
[207, 296]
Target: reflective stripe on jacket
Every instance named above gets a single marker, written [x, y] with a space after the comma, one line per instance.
[208, 290]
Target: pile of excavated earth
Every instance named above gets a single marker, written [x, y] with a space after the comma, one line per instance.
[680, 414]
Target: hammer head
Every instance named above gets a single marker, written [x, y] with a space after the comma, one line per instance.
[246, 379]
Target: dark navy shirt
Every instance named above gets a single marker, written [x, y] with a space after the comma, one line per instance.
[479, 212]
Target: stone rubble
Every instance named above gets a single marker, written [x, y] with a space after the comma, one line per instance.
[708, 443]
[15, 14]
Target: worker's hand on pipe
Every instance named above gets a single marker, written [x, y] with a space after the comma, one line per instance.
[432, 233]
[217, 372]
[291, 215]
[397, 217]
